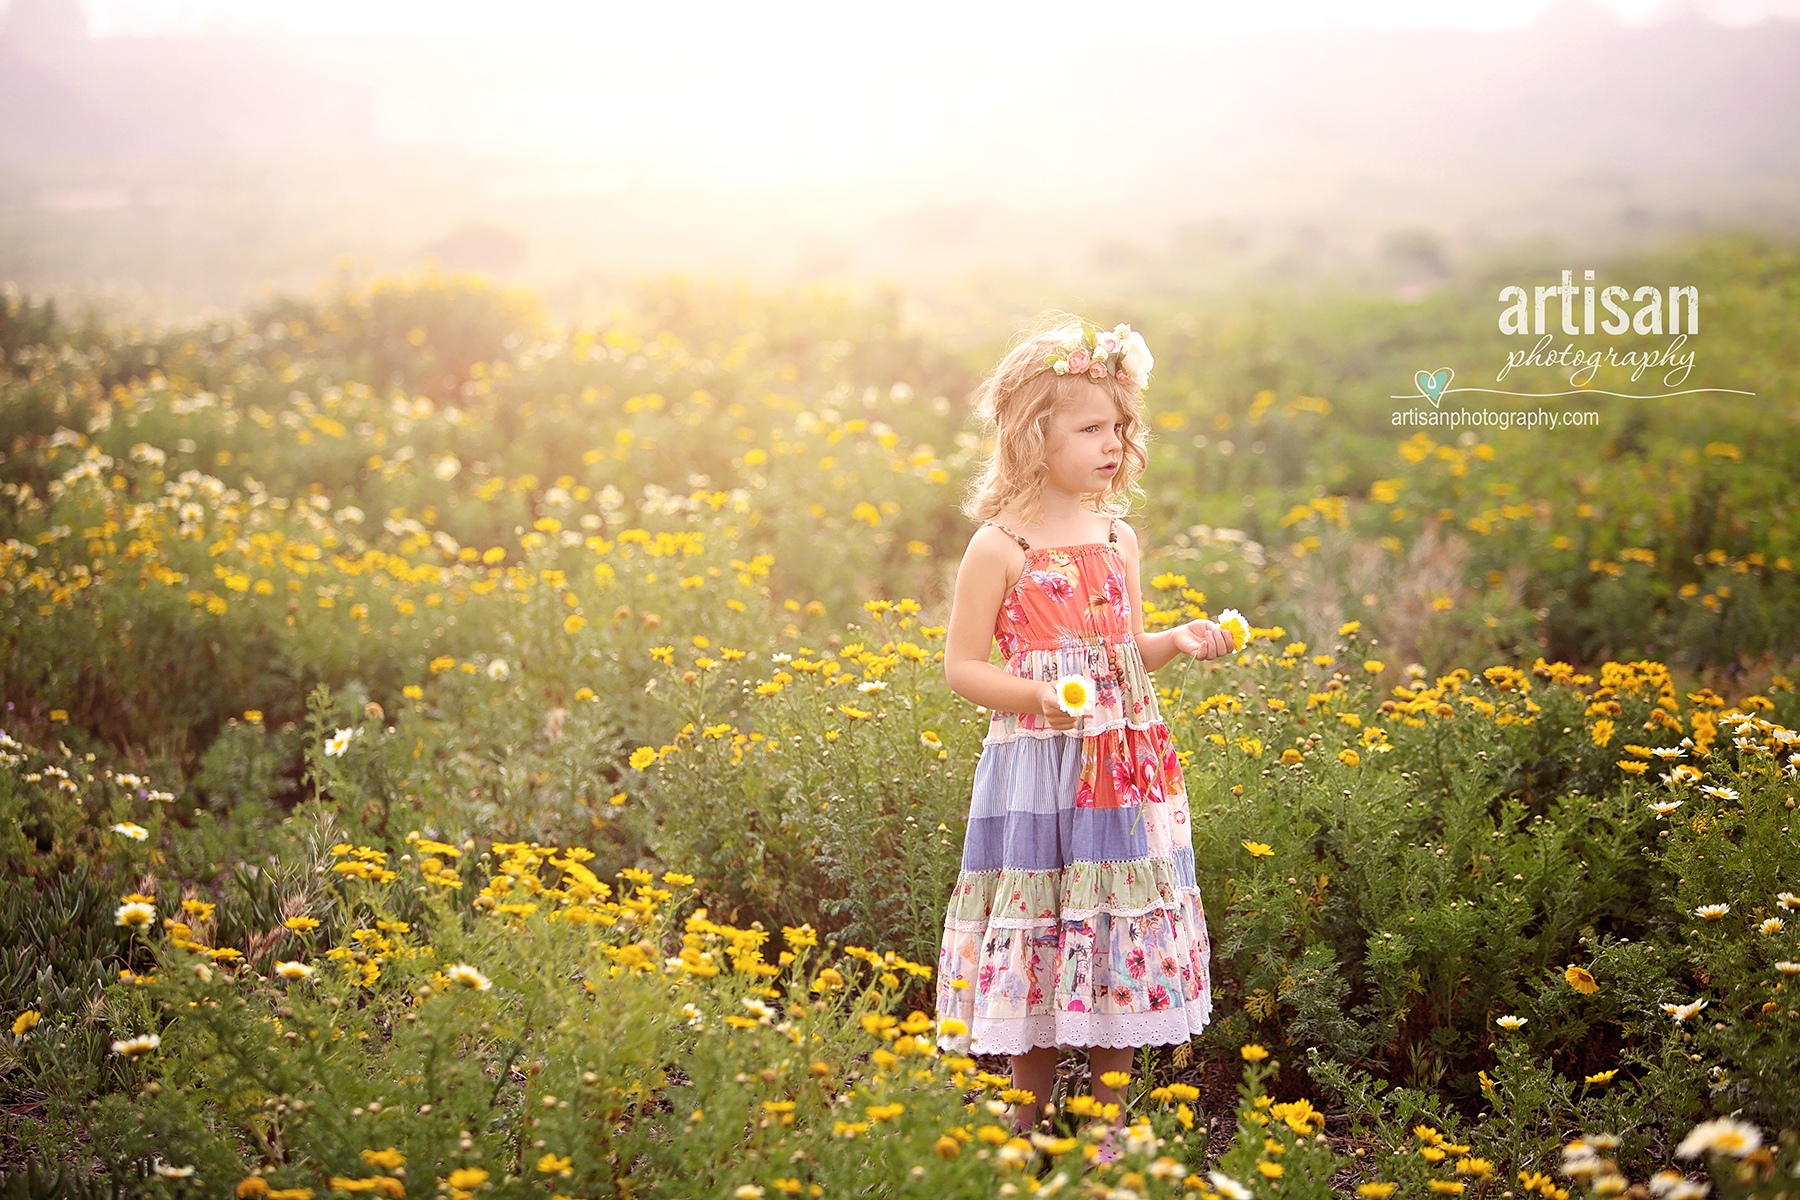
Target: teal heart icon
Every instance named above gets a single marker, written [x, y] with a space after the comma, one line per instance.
[1432, 384]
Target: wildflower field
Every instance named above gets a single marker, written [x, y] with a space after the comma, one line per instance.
[447, 753]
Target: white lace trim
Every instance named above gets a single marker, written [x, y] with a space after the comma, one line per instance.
[1169, 1026]
[1080, 731]
[1124, 644]
[1075, 862]
[1072, 914]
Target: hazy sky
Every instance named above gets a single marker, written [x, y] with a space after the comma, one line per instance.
[965, 22]
[917, 140]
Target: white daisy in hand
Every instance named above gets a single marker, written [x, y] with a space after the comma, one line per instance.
[1232, 622]
[1075, 695]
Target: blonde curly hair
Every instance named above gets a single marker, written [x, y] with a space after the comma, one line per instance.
[1015, 403]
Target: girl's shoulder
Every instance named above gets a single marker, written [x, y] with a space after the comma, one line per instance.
[999, 532]
[996, 552]
[995, 545]
[1125, 540]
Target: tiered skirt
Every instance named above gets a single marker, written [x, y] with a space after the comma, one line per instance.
[1076, 920]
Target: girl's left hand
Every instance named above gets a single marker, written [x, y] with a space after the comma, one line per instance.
[1202, 640]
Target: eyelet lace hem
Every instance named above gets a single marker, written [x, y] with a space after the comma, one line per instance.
[1111, 1031]
[1081, 730]
[1182, 895]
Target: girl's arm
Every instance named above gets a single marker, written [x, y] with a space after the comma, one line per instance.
[1200, 639]
[989, 566]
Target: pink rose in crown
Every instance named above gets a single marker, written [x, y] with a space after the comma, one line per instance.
[1107, 343]
[1122, 377]
[1079, 360]
[1097, 372]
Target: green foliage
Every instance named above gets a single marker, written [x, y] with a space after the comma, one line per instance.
[37, 1182]
[58, 942]
[851, 754]
[247, 765]
[538, 1047]
[356, 607]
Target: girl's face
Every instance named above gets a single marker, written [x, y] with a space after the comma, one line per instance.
[1084, 443]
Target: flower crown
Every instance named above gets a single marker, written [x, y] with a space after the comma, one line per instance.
[1098, 353]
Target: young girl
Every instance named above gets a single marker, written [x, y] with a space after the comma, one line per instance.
[1075, 920]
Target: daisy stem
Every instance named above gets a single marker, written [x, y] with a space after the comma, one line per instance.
[1181, 682]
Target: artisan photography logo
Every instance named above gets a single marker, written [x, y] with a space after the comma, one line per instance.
[1650, 328]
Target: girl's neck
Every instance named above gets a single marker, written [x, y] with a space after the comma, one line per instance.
[1063, 519]
[1055, 507]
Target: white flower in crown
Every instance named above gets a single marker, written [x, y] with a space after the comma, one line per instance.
[1136, 361]
[1099, 353]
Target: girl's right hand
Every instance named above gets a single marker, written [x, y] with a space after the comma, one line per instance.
[1050, 709]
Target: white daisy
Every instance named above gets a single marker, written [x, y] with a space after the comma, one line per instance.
[1721, 1136]
[1075, 695]
[1227, 1186]
[134, 915]
[468, 976]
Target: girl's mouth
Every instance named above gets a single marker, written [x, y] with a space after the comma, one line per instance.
[1109, 468]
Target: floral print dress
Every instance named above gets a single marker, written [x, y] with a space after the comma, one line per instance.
[1075, 920]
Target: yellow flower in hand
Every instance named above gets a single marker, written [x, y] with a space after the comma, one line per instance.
[1232, 622]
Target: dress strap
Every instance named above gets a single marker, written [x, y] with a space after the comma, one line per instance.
[1023, 544]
